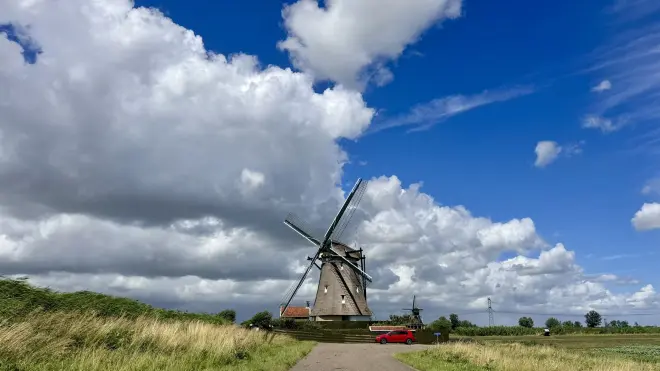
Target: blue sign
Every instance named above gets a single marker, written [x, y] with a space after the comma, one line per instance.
[437, 333]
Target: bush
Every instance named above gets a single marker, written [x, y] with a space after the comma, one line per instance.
[552, 323]
[526, 322]
[441, 324]
[18, 299]
[262, 319]
[228, 314]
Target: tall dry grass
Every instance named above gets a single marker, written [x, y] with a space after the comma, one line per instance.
[466, 356]
[83, 341]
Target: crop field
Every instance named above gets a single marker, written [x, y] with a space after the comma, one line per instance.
[508, 353]
[574, 341]
[473, 356]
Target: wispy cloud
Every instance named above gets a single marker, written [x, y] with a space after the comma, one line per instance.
[620, 256]
[603, 124]
[611, 279]
[630, 64]
[425, 115]
[633, 10]
[652, 187]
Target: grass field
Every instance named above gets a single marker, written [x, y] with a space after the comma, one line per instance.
[528, 353]
[43, 330]
[83, 341]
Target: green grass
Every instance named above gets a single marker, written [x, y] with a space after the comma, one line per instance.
[43, 330]
[508, 356]
[575, 341]
[645, 353]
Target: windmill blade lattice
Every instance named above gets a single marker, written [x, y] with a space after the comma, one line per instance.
[339, 233]
[303, 227]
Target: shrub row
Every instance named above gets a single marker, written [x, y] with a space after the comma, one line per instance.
[18, 299]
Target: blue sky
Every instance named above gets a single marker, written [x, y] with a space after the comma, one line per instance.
[484, 158]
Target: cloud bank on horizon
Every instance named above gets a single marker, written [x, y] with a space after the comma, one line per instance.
[136, 162]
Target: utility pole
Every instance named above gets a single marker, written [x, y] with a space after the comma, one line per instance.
[491, 320]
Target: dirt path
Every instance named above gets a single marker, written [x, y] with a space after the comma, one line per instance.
[355, 357]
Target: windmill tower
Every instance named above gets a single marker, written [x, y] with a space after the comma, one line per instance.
[341, 292]
[416, 316]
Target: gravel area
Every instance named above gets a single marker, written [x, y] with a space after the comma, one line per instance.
[355, 357]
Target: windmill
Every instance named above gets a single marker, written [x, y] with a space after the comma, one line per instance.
[416, 316]
[341, 293]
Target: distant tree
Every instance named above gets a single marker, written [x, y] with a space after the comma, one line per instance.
[567, 324]
[526, 322]
[593, 319]
[228, 314]
[577, 324]
[552, 322]
[440, 324]
[396, 319]
[618, 324]
[636, 324]
[455, 322]
[466, 324]
[261, 319]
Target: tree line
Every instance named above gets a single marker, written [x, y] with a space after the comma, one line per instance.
[591, 319]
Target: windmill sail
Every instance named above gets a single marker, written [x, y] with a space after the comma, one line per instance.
[300, 282]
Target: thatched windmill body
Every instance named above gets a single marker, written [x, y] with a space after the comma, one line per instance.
[341, 292]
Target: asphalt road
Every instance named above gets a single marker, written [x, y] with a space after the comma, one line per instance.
[355, 357]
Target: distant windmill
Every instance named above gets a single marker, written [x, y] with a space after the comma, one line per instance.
[416, 316]
[341, 293]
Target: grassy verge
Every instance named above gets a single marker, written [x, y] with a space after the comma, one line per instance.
[85, 341]
[473, 356]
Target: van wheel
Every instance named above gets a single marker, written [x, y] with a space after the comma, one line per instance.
[408, 341]
[383, 341]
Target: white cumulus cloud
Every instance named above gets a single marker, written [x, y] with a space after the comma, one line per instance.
[547, 152]
[351, 41]
[647, 218]
[604, 85]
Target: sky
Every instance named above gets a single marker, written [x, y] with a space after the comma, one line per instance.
[152, 149]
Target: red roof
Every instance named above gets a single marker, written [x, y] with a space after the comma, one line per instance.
[387, 328]
[295, 312]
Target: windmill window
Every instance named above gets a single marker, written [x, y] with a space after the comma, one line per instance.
[341, 266]
[343, 299]
[357, 288]
[325, 289]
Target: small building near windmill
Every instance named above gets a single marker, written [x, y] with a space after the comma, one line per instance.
[296, 313]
